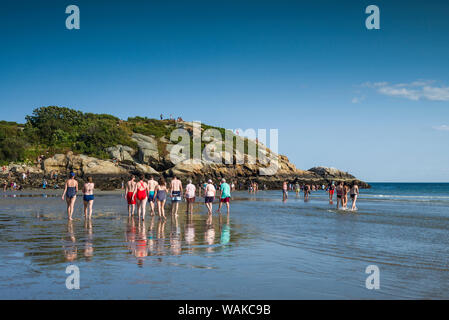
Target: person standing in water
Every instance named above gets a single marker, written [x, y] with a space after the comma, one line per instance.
[209, 196]
[306, 192]
[297, 189]
[190, 196]
[70, 190]
[225, 195]
[161, 197]
[331, 192]
[354, 192]
[151, 189]
[340, 195]
[345, 195]
[284, 190]
[140, 193]
[88, 190]
[176, 192]
[129, 195]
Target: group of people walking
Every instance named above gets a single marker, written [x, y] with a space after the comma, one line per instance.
[342, 190]
[140, 192]
[70, 191]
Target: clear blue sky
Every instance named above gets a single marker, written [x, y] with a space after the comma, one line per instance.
[372, 102]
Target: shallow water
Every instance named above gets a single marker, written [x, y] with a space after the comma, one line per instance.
[266, 248]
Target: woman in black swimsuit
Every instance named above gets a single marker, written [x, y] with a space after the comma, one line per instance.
[161, 196]
[70, 190]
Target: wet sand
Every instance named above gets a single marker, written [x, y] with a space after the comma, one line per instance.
[266, 249]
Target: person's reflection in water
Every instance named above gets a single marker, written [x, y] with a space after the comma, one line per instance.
[161, 237]
[88, 247]
[130, 234]
[141, 242]
[189, 232]
[151, 236]
[209, 237]
[225, 230]
[70, 248]
[209, 220]
[175, 243]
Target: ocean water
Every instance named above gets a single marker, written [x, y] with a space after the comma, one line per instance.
[265, 249]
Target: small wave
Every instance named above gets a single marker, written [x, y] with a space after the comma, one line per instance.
[404, 197]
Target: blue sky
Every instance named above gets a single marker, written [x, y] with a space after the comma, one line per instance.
[371, 102]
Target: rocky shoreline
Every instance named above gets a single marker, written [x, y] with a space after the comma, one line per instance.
[110, 175]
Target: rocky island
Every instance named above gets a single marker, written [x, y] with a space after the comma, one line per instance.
[55, 141]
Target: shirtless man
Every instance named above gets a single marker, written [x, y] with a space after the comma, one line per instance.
[70, 191]
[151, 188]
[129, 195]
[176, 194]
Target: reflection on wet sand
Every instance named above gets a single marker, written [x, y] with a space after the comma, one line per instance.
[209, 237]
[150, 238]
[88, 244]
[175, 240]
[225, 230]
[69, 243]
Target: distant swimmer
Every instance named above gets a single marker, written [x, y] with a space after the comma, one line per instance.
[297, 189]
[190, 196]
[140, 192]
[354, 192]
[225, 195]
[340, 195]
[284, 190]
[176, 194]
[161, 197]
[209, 196]
[151, 189]
[88, 198]
[70, 190]
[129, 195]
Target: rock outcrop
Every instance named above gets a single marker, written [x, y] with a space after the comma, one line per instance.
[152, 157]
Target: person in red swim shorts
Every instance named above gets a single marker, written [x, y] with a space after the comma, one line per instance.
[331, 190]
[129, 195]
